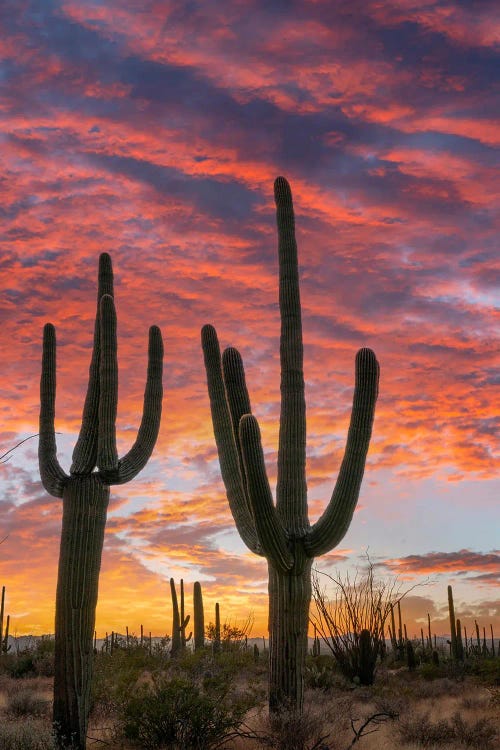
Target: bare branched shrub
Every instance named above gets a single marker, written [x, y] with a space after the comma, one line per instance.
[232, 634]
[480, 734]
[359, 606]
[425, 733]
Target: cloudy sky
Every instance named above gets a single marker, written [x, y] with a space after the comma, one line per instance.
[154, 130]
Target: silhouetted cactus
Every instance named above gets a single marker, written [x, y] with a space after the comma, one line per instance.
[217, 639]
[410, 656]
[453, 626]
[2, 608]
[282, 532]
[4, 634]
[316, 647]
[198, 617]
[368, 652]
[460, 644]
[179, 621]
[85, 495]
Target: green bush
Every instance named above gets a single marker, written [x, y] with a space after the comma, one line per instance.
[181, 715]
[21, 665]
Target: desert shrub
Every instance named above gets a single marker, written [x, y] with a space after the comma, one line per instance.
[473, 702]
[477, 734]
[436, 689]
[21, 665]
[487, 670]
[172, 712]
[25, 701]
[36, 659]
[494, 698]
[420, 730]
[26, 735]
[43, 656]
[322, 673]
[431, 671]
[116, 674]
[291, 731]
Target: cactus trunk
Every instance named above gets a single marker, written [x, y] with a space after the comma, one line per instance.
[289, 599]
[85, 502]
[198, 618]
[453, 625]
[2, 607]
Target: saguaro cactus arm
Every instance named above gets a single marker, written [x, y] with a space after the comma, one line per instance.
[52, 475]
[85, 450]
[331, 527]
[225, 439]
[137, 457]
[270, 530]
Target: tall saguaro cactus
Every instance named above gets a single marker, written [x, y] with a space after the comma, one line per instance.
[198, 617]
[282, 532]
[85, 495]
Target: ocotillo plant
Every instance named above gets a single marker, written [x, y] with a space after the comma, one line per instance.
[85, 496]
[282, 532]
[198, 617]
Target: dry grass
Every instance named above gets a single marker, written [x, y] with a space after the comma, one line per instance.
[442, 714]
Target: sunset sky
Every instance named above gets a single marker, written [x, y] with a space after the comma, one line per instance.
[154, 130]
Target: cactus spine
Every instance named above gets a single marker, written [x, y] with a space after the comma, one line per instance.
[281, 532]
[85, 496]
[199, 618]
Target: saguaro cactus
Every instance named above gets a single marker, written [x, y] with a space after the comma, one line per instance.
[198, 617]
[85, 495]
[453, 624]
[282, 532]
[179, 621]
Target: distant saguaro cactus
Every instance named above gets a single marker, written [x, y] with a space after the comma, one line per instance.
[198, 617]
[282, 532]
[453, 624]
[179, 621]
[85, 495]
